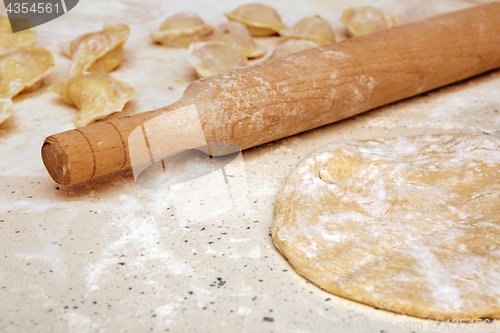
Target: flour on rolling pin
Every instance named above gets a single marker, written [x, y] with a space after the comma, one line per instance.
[284, 96]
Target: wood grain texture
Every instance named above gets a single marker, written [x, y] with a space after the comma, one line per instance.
[288, 95]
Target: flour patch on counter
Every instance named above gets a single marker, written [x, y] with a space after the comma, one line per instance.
[78, 322]
[138, 234]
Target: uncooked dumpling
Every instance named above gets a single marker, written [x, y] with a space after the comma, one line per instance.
[96, 95]
[364, 20]
[237, 35]
[6, 109]
[293, 46]
[406, 224]
[182, 29]
[313, 28]
[23, 69]
[212, 58]
[261, 20]
[11, 40]
[100, 51]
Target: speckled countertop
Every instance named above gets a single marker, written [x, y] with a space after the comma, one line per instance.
[109, 256]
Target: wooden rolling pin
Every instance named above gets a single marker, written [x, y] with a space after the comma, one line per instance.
[284, 96]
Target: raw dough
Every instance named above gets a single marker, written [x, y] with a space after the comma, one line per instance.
[237, 35]
[261, 20]
[182, 29]
[212, 58]
[293, 46]
[100, 51]
[21, 70]
[10, 40]
[96, 95]
[410, 225]
[314, 28]
[365, 20]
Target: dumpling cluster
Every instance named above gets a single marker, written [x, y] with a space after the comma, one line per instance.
[245, 22]
[315, 29]
[213, 50]
[185, 29]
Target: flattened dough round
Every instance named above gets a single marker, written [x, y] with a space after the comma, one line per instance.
[406, 224]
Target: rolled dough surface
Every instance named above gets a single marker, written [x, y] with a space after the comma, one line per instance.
[406, 224]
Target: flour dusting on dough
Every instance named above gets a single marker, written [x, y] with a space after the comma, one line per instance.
[407, 224]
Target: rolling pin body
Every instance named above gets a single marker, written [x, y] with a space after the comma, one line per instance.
[288, 95]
